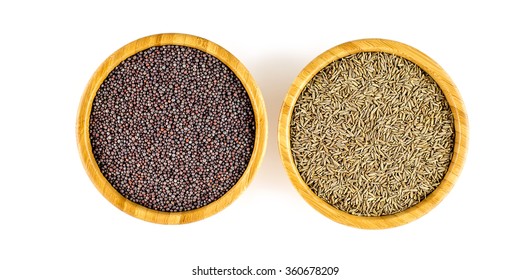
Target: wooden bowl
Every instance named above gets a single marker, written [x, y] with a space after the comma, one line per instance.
[460, 125]
[85, 148]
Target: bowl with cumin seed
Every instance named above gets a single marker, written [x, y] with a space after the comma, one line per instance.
[171, 128]
[373, 133]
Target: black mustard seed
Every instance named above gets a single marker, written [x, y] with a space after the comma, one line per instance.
[172, 128]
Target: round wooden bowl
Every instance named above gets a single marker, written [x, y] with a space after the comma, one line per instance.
[84, 143]
[441, 78]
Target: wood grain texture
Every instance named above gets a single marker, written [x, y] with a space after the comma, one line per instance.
[441, 78]
[85, 148]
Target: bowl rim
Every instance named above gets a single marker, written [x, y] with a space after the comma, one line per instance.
[85, 147]
[448, 88]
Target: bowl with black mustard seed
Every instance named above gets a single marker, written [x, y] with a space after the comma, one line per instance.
[171, 128]
[373, 133]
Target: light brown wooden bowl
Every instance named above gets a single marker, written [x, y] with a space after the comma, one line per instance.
[85, 148]
[449, 90]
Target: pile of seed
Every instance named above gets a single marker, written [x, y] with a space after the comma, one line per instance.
[172, 128]
[372, 134]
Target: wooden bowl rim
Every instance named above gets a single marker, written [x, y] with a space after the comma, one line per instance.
[85, 148]
[448, 88]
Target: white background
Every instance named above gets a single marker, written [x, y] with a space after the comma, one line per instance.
[56, 225]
